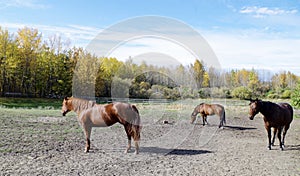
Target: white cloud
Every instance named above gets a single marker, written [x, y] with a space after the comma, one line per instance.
[77, 34]
[265, 11]
[258, 51]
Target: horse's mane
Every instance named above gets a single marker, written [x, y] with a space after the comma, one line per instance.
[269, 104]
[81, 104]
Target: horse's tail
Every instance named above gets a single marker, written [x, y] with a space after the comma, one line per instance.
[136, 124]
[224, 119]
[291, 111]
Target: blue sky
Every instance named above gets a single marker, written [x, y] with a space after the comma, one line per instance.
[255, 34]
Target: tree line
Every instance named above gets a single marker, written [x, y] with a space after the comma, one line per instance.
[31, 66]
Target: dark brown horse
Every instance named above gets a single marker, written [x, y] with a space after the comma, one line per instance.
[91, 115]
[277, 116]
[207, 110]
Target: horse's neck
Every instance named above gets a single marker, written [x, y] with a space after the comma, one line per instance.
[196, 111]
[78, 107]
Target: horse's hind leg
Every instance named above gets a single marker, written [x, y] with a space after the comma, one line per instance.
[136, 144]
[274, 136]
[128, 145]
[286, 127]
[279, 137]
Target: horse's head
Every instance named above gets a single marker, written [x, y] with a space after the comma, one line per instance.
[193, 117]
[254, 108]
[66, 106]
[195, 112]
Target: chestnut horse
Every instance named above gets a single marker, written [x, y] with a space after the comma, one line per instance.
[278, 116]
[91, 115]
[208, 110]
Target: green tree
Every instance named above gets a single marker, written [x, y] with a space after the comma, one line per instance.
[29, 43]
[5, 41]
[109, 67]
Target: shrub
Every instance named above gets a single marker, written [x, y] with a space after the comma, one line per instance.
[286, 94]
[241, 92]
[220, 92]
[295, 96]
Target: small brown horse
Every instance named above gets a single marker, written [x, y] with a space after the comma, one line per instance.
[91, 115]
[208, 110]
[278, 116]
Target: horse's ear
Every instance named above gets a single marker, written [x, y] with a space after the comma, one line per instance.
[66, 98]
[248, 99]
[257, 100]
[92, 103]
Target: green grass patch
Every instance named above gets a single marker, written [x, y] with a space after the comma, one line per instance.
[30, 103]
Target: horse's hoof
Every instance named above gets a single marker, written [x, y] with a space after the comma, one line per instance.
[126, 151]
[136, 153]
[269, 147]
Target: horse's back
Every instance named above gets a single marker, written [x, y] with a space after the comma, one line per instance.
[219, 108]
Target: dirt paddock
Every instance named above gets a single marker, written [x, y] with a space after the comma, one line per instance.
[53, 145]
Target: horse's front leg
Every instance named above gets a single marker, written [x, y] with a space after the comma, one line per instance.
[87, 130]
[129, 139]
[204, 117]
[206, 120]
[269, 136]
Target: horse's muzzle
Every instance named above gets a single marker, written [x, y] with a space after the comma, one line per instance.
[64, 112]
[251, 117]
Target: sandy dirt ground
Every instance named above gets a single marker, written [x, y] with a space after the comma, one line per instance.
[54, 146]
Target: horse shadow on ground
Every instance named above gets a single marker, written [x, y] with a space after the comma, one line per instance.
[239, 128]
[292, 147]
[164, 151]
[232, 127]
